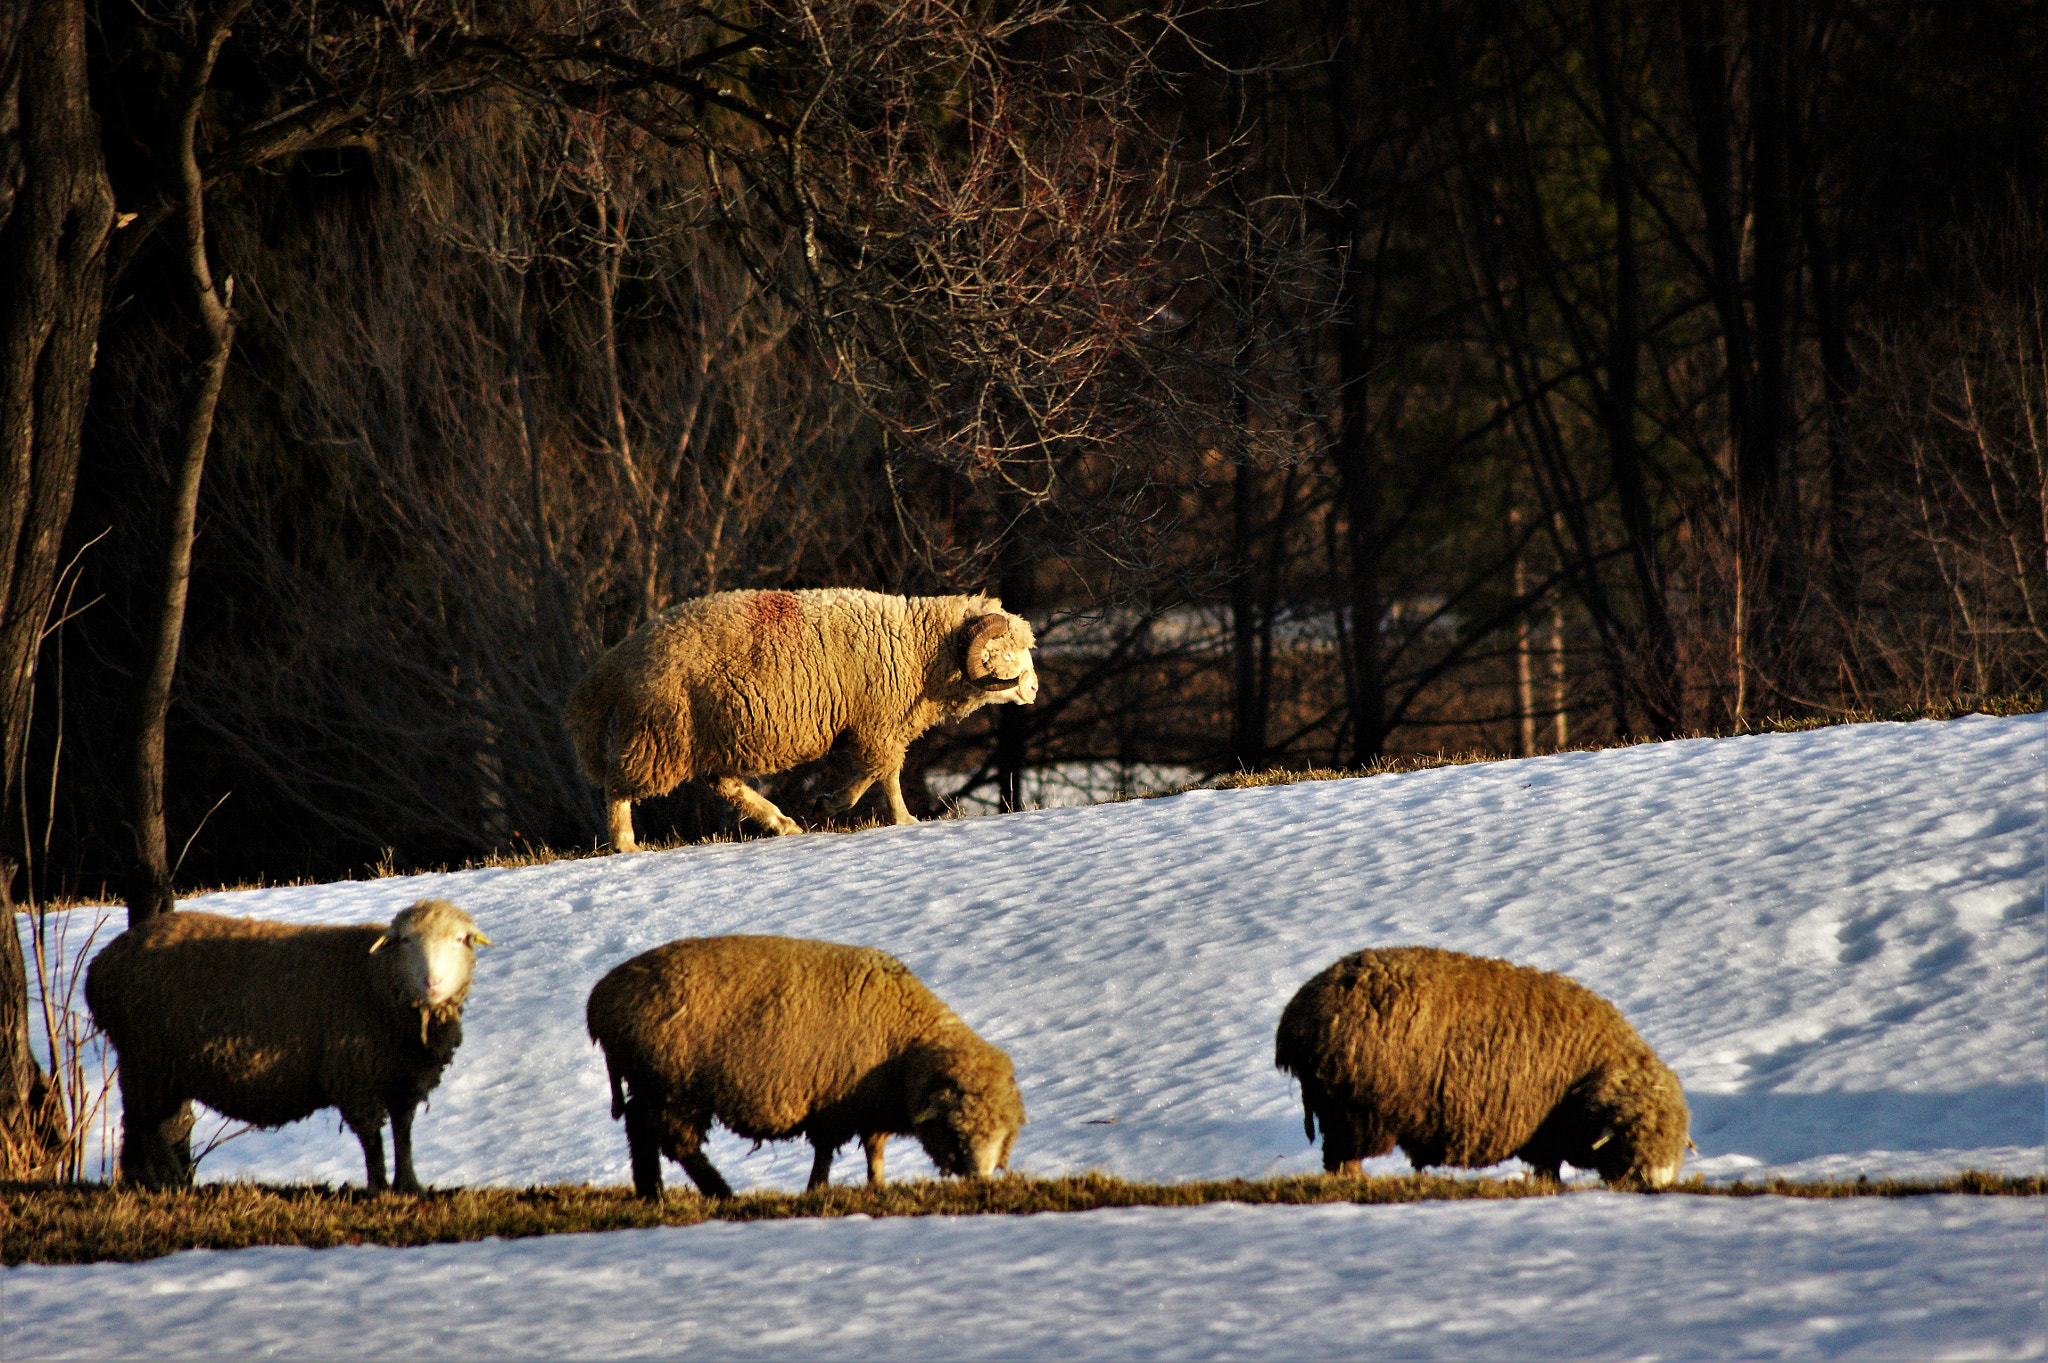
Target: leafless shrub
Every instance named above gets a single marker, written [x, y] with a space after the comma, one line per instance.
[80, 1069]
[1952, 536]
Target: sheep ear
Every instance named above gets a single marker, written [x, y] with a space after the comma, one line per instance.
[378, 945]
[930, 1112]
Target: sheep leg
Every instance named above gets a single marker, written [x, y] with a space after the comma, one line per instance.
[401, 1148]
[821, 1165]
[643, 1142]
[682, 1140]
[1349, 1138]
[753, 805]
[892, 785]
[873, 1143]
[875, 765]
[621, 816]
[156, 1146]
[370, 1131]
[843, 800]
[705, 1174]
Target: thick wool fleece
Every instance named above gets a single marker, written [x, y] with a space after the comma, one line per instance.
[779, 1037]
[1462, 1060]
[267, 1023]
[747, 683]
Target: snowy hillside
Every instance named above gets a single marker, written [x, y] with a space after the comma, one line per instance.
[1835, 938]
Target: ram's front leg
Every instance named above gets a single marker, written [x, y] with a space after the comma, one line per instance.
[893, 785]
[875, 763]
[885, 764]
[619, 814]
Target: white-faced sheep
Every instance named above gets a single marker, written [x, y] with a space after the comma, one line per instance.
[1461, 1060]
[778, 1037]
[746, 683]
[268, 1023]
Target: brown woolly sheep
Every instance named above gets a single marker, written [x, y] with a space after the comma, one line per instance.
[747, 683]
[779, 1037]
[1462, 1060]
[267, 1023]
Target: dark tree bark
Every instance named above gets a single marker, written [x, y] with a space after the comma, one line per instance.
[1355, 452]
[1251, 624]
[1013, 741]
[1653, 671]
[1358, 481]
[152, 892]
[1760, 477]
[1019, 591]
[1755, 313]
[56, 210]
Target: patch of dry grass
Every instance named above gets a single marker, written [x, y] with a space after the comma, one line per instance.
[2002, 707]
[76, 1224]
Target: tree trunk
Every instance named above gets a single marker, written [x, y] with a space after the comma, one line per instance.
[1525, 653]
[53, 236]
[1755, 315]
[1019, 591]
[150, 892]
[56, 210]
[1767, 514]
[1359, 490]
[1653, 664]
[1248, 691]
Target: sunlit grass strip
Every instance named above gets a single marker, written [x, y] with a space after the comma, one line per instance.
[77, 1224]
[1395, 764]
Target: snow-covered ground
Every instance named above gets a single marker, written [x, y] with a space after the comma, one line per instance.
[1835, 938]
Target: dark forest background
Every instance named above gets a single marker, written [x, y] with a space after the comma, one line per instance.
[1325, 380]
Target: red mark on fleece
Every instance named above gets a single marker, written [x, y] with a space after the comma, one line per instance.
[774, 614]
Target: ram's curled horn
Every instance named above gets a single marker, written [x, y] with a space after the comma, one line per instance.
[975, 664]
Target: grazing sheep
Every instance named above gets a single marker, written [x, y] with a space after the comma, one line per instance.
[778, 1037]
[1464, 1061]
[747, 683]
[267, 1023]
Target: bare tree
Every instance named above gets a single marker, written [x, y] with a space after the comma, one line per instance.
[56, 210]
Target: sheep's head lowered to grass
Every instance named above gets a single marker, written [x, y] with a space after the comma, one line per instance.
[779, 1037]
[1463, 1060]
[966, 1108]
[1641, 1117]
